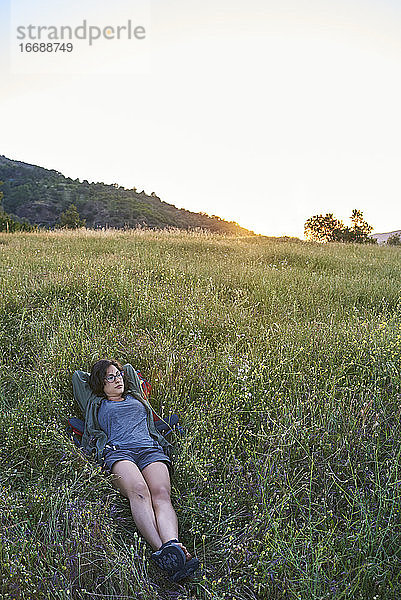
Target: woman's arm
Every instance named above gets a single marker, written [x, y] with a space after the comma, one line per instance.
[134, 384]
[135, 388]
[82, 391]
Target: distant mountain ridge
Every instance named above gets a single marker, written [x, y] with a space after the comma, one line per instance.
[39, 196]
[383, 237]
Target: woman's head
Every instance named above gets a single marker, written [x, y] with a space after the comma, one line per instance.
[104, 378]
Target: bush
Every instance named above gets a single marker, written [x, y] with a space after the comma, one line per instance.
[394, 240]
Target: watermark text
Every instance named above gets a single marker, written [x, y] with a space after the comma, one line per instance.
[89, 33]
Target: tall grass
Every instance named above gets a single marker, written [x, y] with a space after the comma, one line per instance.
[283, 359]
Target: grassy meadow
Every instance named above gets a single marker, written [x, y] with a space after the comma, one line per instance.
[283, 360]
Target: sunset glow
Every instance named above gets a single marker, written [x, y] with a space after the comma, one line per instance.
[264, 113]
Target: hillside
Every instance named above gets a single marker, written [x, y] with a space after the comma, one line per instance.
[40, 195]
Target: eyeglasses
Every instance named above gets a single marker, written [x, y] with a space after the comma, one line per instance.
[111, 378]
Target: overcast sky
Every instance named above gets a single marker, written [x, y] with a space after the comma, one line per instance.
[264, 112]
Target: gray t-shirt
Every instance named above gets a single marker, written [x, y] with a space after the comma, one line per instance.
[125, 423]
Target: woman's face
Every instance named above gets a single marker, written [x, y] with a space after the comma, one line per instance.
[115, 387]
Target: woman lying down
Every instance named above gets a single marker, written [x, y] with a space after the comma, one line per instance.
[119, 421]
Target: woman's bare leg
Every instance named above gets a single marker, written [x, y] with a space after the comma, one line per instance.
[131, 483]
[157, 478]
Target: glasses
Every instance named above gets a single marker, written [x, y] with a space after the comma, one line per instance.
[111, 378]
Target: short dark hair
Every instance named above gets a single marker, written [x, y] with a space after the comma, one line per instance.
[98, 374]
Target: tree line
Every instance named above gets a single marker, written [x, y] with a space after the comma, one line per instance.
[326, 228]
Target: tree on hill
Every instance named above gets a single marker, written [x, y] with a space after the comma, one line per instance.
[70, 219]
[327, 228]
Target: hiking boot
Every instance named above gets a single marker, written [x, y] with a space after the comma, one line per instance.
[170, 558]
[187, 570]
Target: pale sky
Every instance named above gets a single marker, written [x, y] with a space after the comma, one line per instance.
[264, 112]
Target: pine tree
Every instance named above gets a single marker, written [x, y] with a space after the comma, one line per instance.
[70, 219]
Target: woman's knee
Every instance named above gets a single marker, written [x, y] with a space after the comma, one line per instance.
[161, 494]
[139, 491]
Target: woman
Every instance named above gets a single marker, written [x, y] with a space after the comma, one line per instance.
[119, 427]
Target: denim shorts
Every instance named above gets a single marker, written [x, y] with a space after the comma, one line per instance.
[142, 457]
